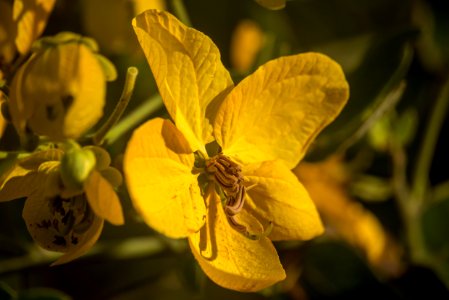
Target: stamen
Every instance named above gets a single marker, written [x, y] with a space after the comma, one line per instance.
[235, 203]
[228, 175]
[243, 230]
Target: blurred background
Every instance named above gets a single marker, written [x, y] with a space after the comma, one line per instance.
[378, 174]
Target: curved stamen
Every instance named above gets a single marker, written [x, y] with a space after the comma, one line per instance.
[228, 175]
[243, 230]
[235, 203]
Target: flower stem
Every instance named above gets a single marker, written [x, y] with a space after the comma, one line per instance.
[425, 156]
[134, 118]
[127, 92]
[181, 12]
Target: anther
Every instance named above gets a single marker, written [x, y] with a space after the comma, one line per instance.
[243, 230]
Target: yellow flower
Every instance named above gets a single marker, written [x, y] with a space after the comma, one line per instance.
[221, 176]
[30, 17]
[247, 40]
[60, 91]
[60, 218]
[108, 22]
[348, 219]
[2, 119]
[7, 34]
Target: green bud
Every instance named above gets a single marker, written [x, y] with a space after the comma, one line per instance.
[380, 133]
[76, 166]
[405, 127]
[371, 188]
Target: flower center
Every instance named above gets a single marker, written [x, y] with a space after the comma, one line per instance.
[228, 175]
[232, 191]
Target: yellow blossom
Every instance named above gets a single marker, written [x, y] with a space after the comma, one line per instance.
[108, 22]
[247, 40]
[60, 218]
[7, 34]
[2, 124]
[2, 119]
[30, 17]
[60, 91]
[221, 174]
[346, 218]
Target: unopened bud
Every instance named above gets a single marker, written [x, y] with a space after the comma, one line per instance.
[76, 166]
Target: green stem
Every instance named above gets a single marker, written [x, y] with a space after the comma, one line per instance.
[410, 210]
[134, 118]
[181, 12]
[127, 92]
[130, 248]
[425, 156]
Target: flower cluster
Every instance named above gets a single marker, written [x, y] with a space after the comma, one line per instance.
[53, 92]
[218, 172]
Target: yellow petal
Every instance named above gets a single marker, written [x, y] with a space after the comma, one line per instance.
[38, 218]
[230, 259]
[272, 4]
[349, 220]
[7, 33]
[25, 177]
[247, 40]
[113, 176]
[31, 17]
[2, 124]
[188, 71]
[66, 86]
[20, 107]
[108, 23]
[142, 5]
[36, 211]
[276, 112]
[86, 242]
[102, 199]
[275, 195]
[19, 183]
[157, 164]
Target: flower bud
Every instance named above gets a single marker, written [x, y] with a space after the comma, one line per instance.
[76, 166]
[60, 91]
